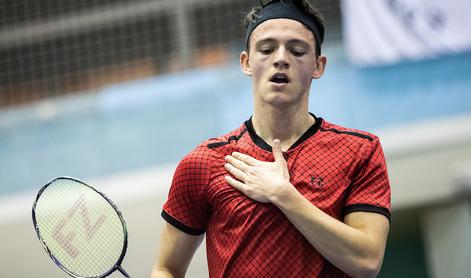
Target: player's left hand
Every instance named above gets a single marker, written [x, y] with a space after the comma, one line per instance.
[260, 180]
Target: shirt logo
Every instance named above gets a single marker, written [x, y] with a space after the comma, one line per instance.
[317, 181]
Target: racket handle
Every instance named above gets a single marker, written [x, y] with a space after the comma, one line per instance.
[123, 272]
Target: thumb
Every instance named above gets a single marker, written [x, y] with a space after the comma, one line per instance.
[279, 158]
[277, 152]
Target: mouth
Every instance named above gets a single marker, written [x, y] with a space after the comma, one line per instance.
[279, 78]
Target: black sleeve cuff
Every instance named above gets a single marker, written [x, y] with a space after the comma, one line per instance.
[182, 227]
[367, 208]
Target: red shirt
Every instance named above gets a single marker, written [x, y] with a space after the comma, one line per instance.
[339, 170]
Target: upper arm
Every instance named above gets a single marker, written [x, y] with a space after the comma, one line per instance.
[176, 249]
[186, 215]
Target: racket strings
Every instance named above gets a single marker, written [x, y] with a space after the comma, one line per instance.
[80, 228]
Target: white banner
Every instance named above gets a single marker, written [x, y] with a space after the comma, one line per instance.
[380, 32]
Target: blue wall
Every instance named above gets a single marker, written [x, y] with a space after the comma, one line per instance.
[157, 120]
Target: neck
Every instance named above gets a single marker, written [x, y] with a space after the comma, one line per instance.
[287, 125]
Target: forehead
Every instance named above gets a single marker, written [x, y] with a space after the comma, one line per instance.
[282, 29]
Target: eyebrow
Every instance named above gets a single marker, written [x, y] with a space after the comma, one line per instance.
[299, 42]
[265, 41]
[290, 42]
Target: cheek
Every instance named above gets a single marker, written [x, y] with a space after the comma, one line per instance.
[305, 73]
[258, 73]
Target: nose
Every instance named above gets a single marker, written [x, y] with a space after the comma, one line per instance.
[281, 58]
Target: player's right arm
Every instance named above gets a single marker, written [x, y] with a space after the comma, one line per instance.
[186, 215]
[175, 252]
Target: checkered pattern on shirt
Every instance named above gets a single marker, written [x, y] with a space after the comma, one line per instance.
[339, 170]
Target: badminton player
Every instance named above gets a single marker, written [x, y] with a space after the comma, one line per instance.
[286, 194]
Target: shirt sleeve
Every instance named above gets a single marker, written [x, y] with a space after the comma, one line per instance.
[370, 190]
[186, 207]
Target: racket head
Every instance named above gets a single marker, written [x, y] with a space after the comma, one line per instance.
[57, 234]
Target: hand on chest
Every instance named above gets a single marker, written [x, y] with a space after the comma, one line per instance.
[322, 178]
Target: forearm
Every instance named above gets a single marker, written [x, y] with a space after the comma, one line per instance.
[350, 249]
[163, 273]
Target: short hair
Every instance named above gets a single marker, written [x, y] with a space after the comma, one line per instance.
[304, 6]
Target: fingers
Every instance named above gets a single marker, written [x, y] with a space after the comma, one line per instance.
[235, 183]
[279, 158]
[239, 174]
[277, 152]
[239, 164]
[247, 159]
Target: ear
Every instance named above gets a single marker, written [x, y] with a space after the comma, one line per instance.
[245, 63]
[320, 67]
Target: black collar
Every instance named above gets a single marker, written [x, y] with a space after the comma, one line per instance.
[264, 145]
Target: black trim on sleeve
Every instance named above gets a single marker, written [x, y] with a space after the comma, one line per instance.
[369, 138]
[223, 143]
[182, 227]
[367, 208]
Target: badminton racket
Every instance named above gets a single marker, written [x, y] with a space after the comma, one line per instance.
[80, 228]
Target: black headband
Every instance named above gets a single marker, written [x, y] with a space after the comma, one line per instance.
[284, 9]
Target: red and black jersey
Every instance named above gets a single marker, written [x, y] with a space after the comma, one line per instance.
[339, 170]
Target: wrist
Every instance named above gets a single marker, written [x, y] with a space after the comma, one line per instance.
[284, 195]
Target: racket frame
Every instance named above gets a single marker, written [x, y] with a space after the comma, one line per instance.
[117, 265]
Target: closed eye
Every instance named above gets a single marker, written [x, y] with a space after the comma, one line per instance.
[266, 51]
[298, 48]
[297, 53]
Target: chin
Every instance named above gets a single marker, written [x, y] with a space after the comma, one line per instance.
[279, 99]
[284, 99]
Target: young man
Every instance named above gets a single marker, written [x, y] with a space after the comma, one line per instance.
[287, 194]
